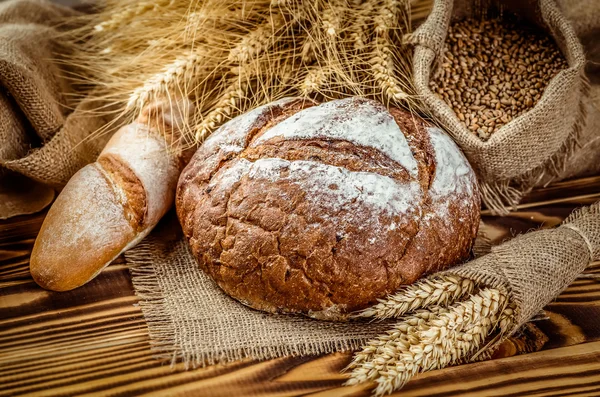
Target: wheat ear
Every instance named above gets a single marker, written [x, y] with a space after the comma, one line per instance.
[315, 80]
[257, 41]
[399, 334]
[446, 336]
[129, 14]
[382, 59]
[359, 30]
[227, 105]
[434, 291]
[181, 71]
[331, 20]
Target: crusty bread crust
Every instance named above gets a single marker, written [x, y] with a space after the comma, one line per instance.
[290, 217]
[84, 230]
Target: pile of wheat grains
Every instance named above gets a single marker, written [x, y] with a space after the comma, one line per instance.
[494, 70]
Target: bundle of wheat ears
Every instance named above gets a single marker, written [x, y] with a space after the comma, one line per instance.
[231, 56]
[444, 320]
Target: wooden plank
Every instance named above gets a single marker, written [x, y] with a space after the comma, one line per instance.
[94, 341]
[564, 371]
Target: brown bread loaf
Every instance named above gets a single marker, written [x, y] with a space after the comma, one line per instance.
[321, 210]
[109, 206]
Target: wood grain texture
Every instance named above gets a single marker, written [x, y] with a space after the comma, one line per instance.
[94, 341]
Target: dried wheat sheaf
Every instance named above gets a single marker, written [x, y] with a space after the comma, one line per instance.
[229, 56]
[444, 320]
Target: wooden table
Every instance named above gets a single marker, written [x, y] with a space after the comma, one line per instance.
[94, 341]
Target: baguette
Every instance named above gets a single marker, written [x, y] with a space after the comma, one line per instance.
[109, 206]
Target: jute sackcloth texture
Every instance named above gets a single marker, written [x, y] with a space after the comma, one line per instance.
[191, 319]
[537, 143]
[40, 137]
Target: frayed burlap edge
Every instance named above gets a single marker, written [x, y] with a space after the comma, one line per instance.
[152, 302]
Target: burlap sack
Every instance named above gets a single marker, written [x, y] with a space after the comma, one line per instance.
[40, 138]
[536, 267]
[190, 319]
[519, 154]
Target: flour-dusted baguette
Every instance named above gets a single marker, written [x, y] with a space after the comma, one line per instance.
[109, 206]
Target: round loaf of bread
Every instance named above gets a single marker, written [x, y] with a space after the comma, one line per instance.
[296, 207]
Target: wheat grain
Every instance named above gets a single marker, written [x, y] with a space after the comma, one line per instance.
[179, 72]
[424, 342]
[434, 291]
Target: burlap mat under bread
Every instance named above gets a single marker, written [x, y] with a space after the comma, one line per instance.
[191, 319]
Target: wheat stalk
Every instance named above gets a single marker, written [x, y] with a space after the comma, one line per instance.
[382, 60]
[145, 54]
[433, 291]
[129, 14]
[179, 72]
[423, 342]
[227, 105]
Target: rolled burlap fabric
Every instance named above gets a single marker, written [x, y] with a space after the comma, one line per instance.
[538, 143]
[40, 137]
[536, 267]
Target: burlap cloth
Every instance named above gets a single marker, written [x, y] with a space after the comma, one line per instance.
[41, 139]
[536, 267]
[539, 142]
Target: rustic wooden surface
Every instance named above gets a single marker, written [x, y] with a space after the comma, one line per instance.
[93, 340]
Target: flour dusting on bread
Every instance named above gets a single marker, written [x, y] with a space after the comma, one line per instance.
[147, 156]
[453, 173]
[357, 120]
[336, 187]
[231, 136]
